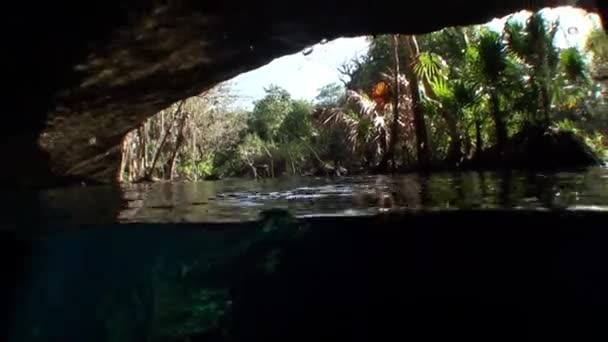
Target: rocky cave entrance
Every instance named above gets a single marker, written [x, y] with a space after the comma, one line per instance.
[108, 68]
[329, 109]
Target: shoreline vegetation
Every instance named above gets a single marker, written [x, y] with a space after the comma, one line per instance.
[462, 98]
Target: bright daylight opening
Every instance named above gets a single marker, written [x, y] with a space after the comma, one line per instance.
[465, 96]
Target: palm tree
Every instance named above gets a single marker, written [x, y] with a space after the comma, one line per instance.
[450, 86]
[359, 123]
[533, 45]
[402, 57]
[490, 59]
[390, 155]
[423, 150]
[437, 86]
[574, 79]
[556, 78]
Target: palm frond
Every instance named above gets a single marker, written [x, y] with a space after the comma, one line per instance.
[359, 125]
[492, 56]
[466, 94]
[364, 103]
[430, 66]
[516, 39]
[573, 64]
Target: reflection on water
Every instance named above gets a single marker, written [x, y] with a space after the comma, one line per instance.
[236, 200]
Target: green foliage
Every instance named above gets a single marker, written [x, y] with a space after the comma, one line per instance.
[449, 43]
[330, 95]
[492, 57]
[566, 125]
[363, 72]
[552, 74]
[533, 41]
[467, 95]
[201, 168]
[269, 112]
[353, 130]
[477, 87]
[432, 68]
[183, 140]
[573, 81]
[253, 147]
[594, 139]
[598, 143]
[597, 44]
[516, 78]
[294, 157]
[573, 64]
[297, 124]
[285, 147]
[516, 38]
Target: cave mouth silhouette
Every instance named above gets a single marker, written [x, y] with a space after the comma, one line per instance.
[83, 75]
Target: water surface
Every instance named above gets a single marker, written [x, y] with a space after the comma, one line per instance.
[237, 200]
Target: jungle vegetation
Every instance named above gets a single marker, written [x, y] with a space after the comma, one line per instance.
[446, 99]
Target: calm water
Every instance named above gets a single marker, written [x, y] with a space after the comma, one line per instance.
[235, 200]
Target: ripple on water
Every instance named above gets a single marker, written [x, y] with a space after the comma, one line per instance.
[241, 200]
[588, 207]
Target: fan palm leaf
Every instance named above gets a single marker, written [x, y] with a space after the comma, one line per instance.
[573, 64]
[492, 57]
[359, 122]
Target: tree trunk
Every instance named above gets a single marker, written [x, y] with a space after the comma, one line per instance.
[124, 158]
[172, 164]
[179, 141]
[163, 141]
[478, 141]
[142, 148]
[319, 164]
[390, 155]
[454, 155]
[254, 171]
[405, 155]
[544, 92]
[422, 141]
[271, 171]
[467, 146]
[383, 141]
[455, 149]
[193, 156]
[162, 120]
[499, 123]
